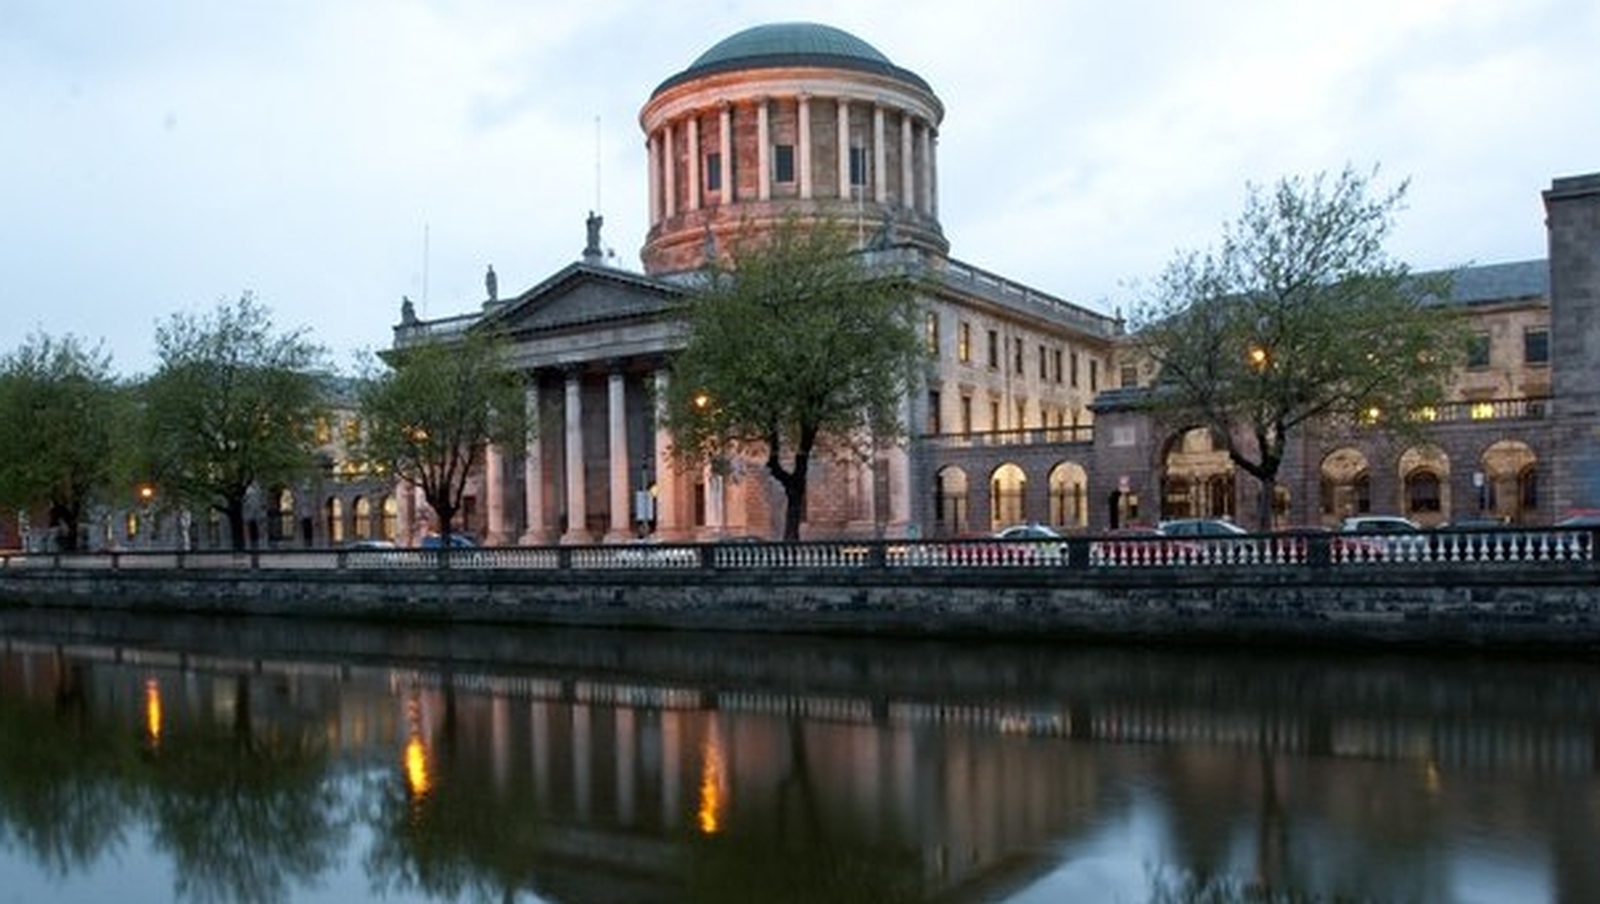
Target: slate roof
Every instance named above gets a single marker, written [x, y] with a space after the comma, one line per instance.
[1502, 282]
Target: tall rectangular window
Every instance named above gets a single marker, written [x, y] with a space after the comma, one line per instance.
[1130, 376]
[931, 325]
[858, 166]
[1478, 351]
[1094, 375]
[1074, 370]
[966, 414]
[933, 412]
[714, 172]
[994, 414]
[1044, 364]
[783, 163]
[1016, 358]
[964, 343]
[1057, 358]
[1022, 414]
[994, 350]
[1536, 345]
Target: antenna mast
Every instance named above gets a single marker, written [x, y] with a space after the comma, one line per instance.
[424, 269]
[597, 208]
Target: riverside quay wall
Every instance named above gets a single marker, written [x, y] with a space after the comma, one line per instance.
[1512, 588]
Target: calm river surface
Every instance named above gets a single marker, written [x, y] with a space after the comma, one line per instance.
[179, 759]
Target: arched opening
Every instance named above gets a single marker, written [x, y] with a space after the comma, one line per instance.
[1508, 482]
[361, 509]
[1069, 496]
[950, 502]
[334, 511]
[280, 515]
[1425, 485]
[1197, 477]
[1346, 485]
[390, 529]
[1007, 487]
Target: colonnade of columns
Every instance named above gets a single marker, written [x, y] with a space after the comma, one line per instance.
[678, 145]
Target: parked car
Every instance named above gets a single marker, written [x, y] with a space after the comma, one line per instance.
[1140, 545]
[1020, 544]
[1201, 527]
[457, 541]
[1580, 519]
[1398, 537]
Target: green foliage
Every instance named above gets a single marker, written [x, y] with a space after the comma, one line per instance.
[232, 406]
[433, 410]
[798, 347]
[62, 410]
[1300, 315]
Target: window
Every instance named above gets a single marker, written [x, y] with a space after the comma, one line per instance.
[994, 350]
[1074, 370]
[1478, 351]
[1422, 492]
[1130, 376]
[964, 343]
[966, 414]
[713, 172]
[1016, 359]
[1536, 345]
[1044, 364]
[783, 163]
[1094, 375]
[933, 412]
[1058, 366]
[858, 166]
[1022, 414]
[994, 414]
[931, 328]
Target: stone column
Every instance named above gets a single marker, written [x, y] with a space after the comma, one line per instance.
[880, 157]
[494, 487]
[537, 533]
[763, 152]
[908, 191]
[925, 190]
[669, 174]
[617, 438]
[577, 504]
[898, 461]
[802, 151]
[844, 149]
[693, 177]
[668, 504]
[655, 177]
[933, 174]
[725, 147]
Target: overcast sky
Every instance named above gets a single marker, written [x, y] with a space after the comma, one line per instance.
[330, 156]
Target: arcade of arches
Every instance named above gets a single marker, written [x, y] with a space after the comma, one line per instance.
[1195, 479]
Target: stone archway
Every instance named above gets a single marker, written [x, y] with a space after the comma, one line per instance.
[1509, 486]
[950, 502]
[1069, 496]
[1425, 485]
[1197, 479]
[1008, 487]
[1346, 485]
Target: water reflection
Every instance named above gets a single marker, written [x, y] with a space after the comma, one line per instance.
[267, 762]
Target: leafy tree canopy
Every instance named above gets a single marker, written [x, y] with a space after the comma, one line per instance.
[432, 410]
[59, 449]
[1299, 314]
[798, 346]
[232, 406]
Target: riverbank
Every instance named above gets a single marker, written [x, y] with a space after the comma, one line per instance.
[868, 589]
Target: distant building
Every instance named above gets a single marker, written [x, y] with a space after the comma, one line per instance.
[1025, 412]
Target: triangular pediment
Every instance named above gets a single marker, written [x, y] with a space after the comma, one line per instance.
[583, 294]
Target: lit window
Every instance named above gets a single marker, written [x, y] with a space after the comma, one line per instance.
[783, 163]
[964, 343]
[1536, 346]
[931, 324]
[1482, 411]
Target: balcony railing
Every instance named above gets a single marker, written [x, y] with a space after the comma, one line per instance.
[1031, 436]
[1440, 547]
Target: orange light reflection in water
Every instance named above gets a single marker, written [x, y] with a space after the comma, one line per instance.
[713, 782]
[152, 711]
[416, 754]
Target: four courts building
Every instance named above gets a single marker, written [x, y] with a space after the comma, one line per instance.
[1025, 411]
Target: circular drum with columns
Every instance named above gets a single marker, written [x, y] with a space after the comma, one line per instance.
[789, 118]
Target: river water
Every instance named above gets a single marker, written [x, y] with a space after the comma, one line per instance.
[203, 760]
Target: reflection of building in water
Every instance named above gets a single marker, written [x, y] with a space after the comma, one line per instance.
[648, 782]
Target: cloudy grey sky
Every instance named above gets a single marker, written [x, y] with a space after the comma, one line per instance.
[331, 156]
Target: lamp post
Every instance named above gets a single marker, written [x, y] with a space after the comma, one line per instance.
[147, 496]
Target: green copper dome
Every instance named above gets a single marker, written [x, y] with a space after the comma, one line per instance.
[784, 44]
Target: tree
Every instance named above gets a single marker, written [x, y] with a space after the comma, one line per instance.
[1299, 315]
[231, 408]
[434, 410]
[61, 407]
[795, 348]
